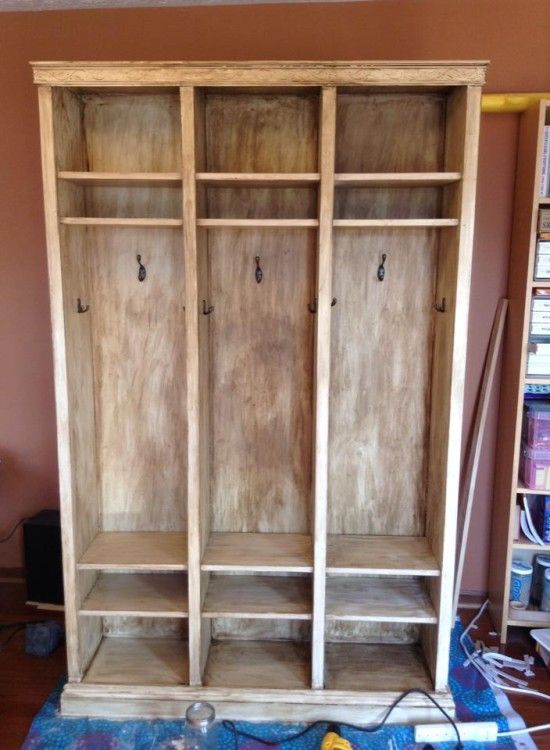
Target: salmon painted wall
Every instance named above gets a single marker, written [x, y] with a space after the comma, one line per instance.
[509, 33]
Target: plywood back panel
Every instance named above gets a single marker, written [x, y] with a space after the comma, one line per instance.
[262, 203]
[139, 364]
[380, 381]
[371, 632]
[261, 379]
[390, 132]
[387, 203]
[130, 202]
[261, 132]
[132, 132]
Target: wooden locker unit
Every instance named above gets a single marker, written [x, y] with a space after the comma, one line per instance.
[259, 441]
[509, 487]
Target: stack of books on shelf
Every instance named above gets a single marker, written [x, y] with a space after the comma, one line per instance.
[545, 171]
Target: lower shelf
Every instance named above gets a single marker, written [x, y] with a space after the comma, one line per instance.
[534, 618]
[258, 664]
[140, 661]
[374, 667]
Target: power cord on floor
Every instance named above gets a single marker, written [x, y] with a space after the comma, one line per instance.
[14, 529]
[471, 656]
[368, 729]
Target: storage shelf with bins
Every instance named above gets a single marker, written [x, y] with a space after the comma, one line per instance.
[509, 487]
[245, 524]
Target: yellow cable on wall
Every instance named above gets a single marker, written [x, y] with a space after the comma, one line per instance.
[511, 102]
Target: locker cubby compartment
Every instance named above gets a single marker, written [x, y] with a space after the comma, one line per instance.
[135, 651]
[259, 158]
[125, 348]
[253, 653]
[137, 595]
[398, 170]
[376, 667]
[379, 599]
[108, 164]
[287, 597]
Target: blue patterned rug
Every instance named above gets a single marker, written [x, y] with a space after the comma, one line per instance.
[475, 701]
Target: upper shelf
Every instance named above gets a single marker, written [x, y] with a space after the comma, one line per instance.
[116, 221]
[396, 179]
[258, 553]
[136, 550]
[349, 554]
[123, 179]
[258, 179]
[392, 223]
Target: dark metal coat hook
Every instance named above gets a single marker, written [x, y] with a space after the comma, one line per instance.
[206, 310]
[312, 306]
[142, 273]
[80, 308]
[381, 272]
[259, 273]
[441, 307]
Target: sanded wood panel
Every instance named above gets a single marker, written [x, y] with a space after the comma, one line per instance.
[372, 667]
[139, 368]
[387, 203]
[259, 629]
[153, 594]
[267, 597]
[380, 381]
[139, 661]
[62, 139]
[262, 202]
[261, 379]
[257, 664]
[131, 132]
[130, 626]
[379, 599]
[261, 132]
[375, 632]
[385, 132]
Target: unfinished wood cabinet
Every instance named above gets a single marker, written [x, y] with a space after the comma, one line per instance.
[509, 486]
[259, 285]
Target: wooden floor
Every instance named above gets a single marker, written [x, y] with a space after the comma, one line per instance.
[26, 681]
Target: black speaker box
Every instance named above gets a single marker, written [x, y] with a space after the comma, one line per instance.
[42, 539]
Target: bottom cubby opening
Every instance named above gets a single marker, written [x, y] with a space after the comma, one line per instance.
[258, 664]
[376, 667]
[139, 661]
[136, 650]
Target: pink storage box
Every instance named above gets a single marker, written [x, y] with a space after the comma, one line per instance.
[535, 468]
[536, 425]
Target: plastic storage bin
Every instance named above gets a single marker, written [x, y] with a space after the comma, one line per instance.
[535, 467]
[536, 424]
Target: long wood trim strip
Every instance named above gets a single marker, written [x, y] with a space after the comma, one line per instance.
[322, 379]
[460, 335]
[187, 103]
[396, 73]
[72, 634]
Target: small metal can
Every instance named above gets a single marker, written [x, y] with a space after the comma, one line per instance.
[542, 564]
[545, 603]
[520, 584]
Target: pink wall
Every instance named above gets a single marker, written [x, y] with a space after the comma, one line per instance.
[511, 33]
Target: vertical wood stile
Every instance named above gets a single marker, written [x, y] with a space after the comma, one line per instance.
[327, 138]
[187, 103]
[75, 668]
[459, 270]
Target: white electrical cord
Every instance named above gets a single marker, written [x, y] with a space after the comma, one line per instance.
[472, 659]
[511, 732]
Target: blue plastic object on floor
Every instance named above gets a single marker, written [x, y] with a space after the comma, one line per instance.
[42, 638]
[474, 699]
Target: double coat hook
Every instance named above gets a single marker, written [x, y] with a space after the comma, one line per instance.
[312, 306]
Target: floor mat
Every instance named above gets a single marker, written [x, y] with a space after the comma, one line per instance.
[475, 701]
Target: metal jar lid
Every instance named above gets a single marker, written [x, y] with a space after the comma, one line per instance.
[200, 715]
